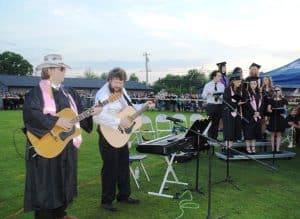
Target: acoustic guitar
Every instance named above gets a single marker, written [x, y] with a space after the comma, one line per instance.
[119, 137]
[53, 143]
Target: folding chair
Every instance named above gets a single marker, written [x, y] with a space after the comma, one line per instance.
[147, 127]
[139, 159]
[181, 117]
[194, 117]
[162, 124]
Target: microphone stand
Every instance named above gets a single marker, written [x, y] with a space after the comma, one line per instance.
[211, 140]
[197, 188]
[228, 178]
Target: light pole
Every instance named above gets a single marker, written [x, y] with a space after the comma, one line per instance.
[146, 65]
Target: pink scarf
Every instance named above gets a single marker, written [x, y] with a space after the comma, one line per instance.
[254, 105]
[234, 114]
[50, 107]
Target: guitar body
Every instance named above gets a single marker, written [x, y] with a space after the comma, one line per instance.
[54, 142]
[118, 138]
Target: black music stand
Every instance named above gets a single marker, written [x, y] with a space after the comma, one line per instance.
[198, 127]
[228, 178]
[203, 136]
[195, 130]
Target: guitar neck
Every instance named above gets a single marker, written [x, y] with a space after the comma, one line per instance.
[139, 112]
[88, 112]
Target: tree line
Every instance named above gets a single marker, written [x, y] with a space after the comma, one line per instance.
[15, 64]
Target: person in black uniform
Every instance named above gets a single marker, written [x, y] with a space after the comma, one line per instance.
[294, 123]
[231, 120]
[267, 94]
[51, 183]
[277, 123]
[222, 70]
[252, 111]
[254, 72]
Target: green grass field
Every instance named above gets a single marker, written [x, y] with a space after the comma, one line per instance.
[264, 194]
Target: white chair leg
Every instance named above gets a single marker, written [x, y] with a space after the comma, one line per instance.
[144, 169]
[135, 180]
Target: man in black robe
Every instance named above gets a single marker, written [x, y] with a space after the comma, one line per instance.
[51, 183]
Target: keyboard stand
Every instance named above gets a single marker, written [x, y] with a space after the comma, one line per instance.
[165, 180]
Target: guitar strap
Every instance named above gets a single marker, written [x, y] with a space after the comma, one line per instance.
[127, 100]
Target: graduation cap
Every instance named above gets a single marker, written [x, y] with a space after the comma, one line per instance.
[237, 70]
[235, 76]
[252, 78]
[255, 65]
[221, 64]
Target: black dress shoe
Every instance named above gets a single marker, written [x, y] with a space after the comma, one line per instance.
[109, 207]
[130, 201]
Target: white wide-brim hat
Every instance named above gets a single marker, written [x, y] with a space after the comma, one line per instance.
[52, 60]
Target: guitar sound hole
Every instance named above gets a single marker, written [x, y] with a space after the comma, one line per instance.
[128, 130]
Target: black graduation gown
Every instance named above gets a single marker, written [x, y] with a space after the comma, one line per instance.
[292, 119]
[231, 125]
[295, 120]
[253, 129]
[277, 122]
[267, 96]
[50, 183]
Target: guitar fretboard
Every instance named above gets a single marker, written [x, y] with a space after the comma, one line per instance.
[138, 113]
[88, 112]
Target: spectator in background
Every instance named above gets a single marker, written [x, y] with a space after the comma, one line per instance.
[294, 122]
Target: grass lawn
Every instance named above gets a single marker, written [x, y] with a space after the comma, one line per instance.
[264, 194]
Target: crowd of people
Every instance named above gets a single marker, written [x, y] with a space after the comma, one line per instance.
[176, 103]
[165, 100]
[248, 106]
[12, 100]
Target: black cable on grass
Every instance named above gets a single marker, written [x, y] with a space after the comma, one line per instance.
[14, 141]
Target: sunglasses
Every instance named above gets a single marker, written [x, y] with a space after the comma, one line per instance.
[62, 69]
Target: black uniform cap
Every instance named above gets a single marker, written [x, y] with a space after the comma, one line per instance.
[255, 65]
[221, 64]
[235, 76]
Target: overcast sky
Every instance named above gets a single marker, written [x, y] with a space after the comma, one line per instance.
[178, 34]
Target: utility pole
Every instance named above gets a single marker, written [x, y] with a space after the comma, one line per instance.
[146, 65]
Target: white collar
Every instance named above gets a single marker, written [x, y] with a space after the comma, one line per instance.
[56, 87]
